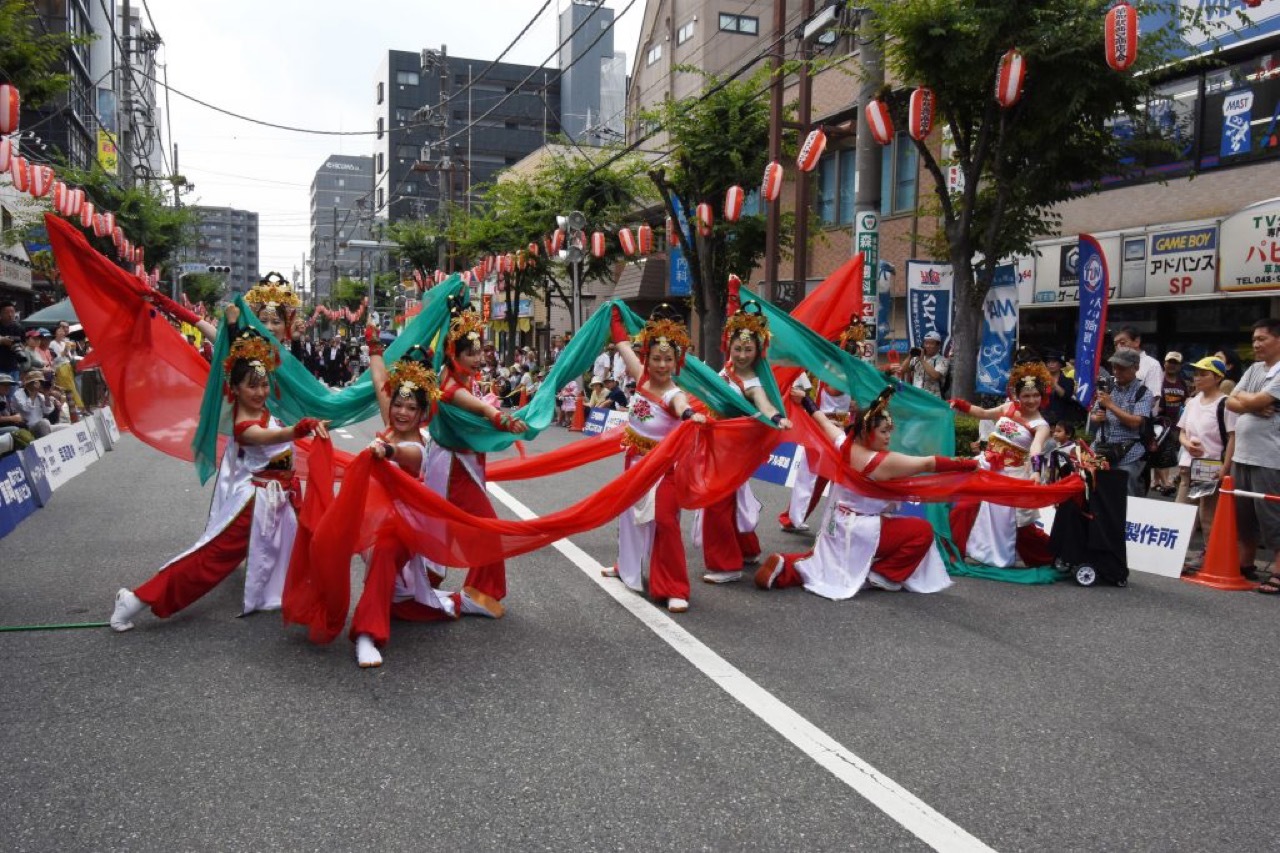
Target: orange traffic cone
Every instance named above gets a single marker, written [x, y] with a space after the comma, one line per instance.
[1221, 568]
[579, 414]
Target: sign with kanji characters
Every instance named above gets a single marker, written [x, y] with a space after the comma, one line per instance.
[1250, 247]
[1094, 287]
[109, 421]
[17, 500]
[58, 454]
[86, 448]
[780, 467]
[36, 475]
[1156, 535]
[1182, 262]
[929, 285]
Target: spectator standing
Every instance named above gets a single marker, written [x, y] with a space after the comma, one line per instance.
[1173, 396]
[1206, 432]
[1150, 373]
[11, 348]
[1061, 404]
[1118, 417]
[927, 368]
[333, 362]
[1255, 461]
[557, 347]
[603, 365]
[1235, 369]
[38, 355]
[569, 401]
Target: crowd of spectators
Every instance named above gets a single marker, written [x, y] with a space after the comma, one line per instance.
[38, 385]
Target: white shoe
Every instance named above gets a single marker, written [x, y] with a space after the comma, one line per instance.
[127, 606]
[367, 654]
[677, 605]
[721, 577]
[476, 603]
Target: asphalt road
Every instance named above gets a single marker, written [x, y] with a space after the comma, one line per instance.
[1034, 718]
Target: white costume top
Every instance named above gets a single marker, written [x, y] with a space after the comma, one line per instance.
[993, 539]
[749, 506]
[648, 423]
[414, 580]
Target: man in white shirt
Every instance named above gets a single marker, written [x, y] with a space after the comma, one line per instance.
[1150, 371]
[34, 405]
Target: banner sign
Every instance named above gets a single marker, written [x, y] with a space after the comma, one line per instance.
[1094, 285]
[780, 467]
[36, 475]
[113, 429]
[999, 331]
[57, 452]
[928, 300]
[867, 241]
[86, 449]
[602, 420]
[1182, 262]
[1250, 247]
[17, 500]
[680, 280]
[1156, 535]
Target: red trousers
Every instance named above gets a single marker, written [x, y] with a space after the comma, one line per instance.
[466, 494]
[668, 571]
[904, 542]
[375, 608]
[1032, 543]
[724, 547]
[185, 581]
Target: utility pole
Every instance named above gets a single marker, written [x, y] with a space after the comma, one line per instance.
[800, 270]
[124, 122]
[866, 233]
[774, 208]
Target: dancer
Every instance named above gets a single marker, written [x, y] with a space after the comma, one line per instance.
[397, 583]
[807, 490]
[861, 542]
[252, 515]
[458, 472]
[272, 299]
[649, 532]
[727, 530]
[1003, 536]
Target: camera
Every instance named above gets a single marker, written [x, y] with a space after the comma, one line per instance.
[1106, 384]
[914, 351]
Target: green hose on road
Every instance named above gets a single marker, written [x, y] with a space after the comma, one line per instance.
[4, 628]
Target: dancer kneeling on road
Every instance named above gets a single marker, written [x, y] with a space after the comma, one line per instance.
[252, 517]
[407, 398]
[860, 543]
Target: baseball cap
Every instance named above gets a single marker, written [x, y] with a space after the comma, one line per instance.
[1125, 358]
[933, 336]
[1211, 364]
[45, 333]
[1173, 355]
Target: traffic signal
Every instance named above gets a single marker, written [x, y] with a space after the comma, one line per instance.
[219, 269]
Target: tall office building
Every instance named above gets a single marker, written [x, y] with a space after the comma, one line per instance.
[227, 237]
[593, 88]
[341, 204]
[444, 129]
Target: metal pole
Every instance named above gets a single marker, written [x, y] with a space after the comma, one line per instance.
[866, 228]
[124, 124]
[577, 298]
[800, 269]
[774, 208]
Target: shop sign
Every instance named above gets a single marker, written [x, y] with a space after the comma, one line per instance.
[1182, 262]
[1250, 250]
[1060, 283]
[14, 274]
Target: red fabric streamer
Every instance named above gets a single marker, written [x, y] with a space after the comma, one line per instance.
[584, 451]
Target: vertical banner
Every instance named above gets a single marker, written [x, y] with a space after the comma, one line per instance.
[866, 239]
[36, 477]
[1094, 283]
[17, 501]
[999, 331]
[680, 280]
[928, 300]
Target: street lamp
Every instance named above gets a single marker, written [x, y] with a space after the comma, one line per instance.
[373, 245]
[573, 254]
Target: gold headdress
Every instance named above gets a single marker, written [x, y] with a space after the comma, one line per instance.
[745, 324]
[665, 332]
[1028, 372]
[854, 334]
[272, 294]
[252, 347]
[864, 422]
[409, 376]
[463, 324]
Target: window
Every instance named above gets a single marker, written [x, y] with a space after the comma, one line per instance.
[403, 115]
[409, 188]
[407, 78]
[898, 167]
[684, 33]
[654, 54]
[337, 199]
[739, 24]
[379, 127]
[836, 187]
[407, 152]
[381, 165]
[380, 91]
[342, 182]
[381, 198]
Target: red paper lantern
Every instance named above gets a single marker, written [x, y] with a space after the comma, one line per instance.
[879, 122]
[6, 155]
[920, 114]
[733, 198]
[771, 186]
[110, 219]
[705, 219]
[811, 152]
[627, 241]
[557, 240]
[74, 202]
[60, 193]
[87, 217]
[155, 277]
[1122, 36]
[438, 276]
[138, 254]
[597, 244]
[41, 181]
[673, 239]
[1013, 73]
[20, 170]
[644, 239]
[533, 249]
[117, 234]
[10, 108]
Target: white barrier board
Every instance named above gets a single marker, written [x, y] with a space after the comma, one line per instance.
[57, 451]
[1157, 534]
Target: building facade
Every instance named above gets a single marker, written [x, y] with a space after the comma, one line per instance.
[342, 198]
[228, 237]
[594, 76]
[447, 125]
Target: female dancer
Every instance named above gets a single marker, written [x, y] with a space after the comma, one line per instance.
[649, 532]
[252, 516]
[727, 533]
[861, 543]
[458, 473]
[808, 487]
[407, 398]
[999, 535]
[272, 300]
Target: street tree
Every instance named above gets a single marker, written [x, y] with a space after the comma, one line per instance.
[718, 139]
[1054, 144]
[205, 288]
[419, 243]
[31, 57]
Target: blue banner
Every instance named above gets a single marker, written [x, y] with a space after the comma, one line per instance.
[680, 279]
[594, 424]
[1094, 282]
[17, 500]
[999, 332]
[928, 300]
[33, 465]
[778, 466]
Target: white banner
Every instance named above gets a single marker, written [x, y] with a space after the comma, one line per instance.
[1156, 534]
[86, 448]
[109, 419]
[58, 453]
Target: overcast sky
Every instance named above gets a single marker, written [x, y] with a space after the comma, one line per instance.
[313, 64]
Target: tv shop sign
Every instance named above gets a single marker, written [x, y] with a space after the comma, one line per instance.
[1250, 253]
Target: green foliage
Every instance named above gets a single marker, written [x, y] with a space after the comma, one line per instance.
[348, 292]
[419, 242]
[966, 433]
[204, 287]
[30, 58]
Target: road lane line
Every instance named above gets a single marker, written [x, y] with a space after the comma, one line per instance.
[908, 810]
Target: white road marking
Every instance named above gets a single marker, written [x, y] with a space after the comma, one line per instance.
[908, 810]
